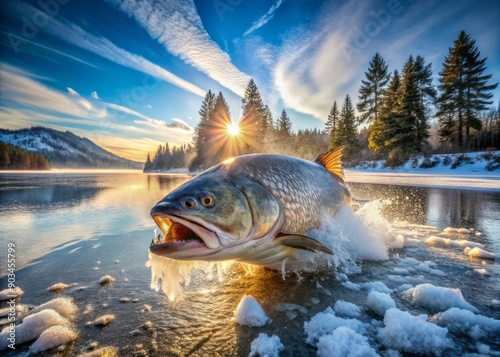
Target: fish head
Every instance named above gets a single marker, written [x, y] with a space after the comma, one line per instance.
[205, 215]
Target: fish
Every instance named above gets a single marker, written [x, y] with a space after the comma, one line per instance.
[256, 209]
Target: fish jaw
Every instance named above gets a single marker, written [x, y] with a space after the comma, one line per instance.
[184, 239]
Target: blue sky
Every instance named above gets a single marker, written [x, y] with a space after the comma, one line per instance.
[131, 74]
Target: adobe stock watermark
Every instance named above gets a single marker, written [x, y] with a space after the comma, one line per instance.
[223, 6]
[31, 26]
[360, 37]
[131, 100]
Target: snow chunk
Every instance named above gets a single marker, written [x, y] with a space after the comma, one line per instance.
[450, 230]
[408, 333]
[376, 286]
[7, 294]
[344, 308]
[33, 326]
[482, 272]
[266, 346]
[437, 298]
[351, 286]
[106, 279]
[325, 323]
[57, 287]
[464, 321]
[463, 231]
[433, 240]
[480, 253]
[344, 342]
[52, 337]
[64, 306]
[250, 313]
[379, 302]
[104, 320]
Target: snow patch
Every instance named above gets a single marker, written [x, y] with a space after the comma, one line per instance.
[437, 298]
[479, 253]
[250, 313]
[52, 337]
[465, 321]
[344, 308]
[266, 346]
[57, 287]
[379, 302]
[407, 333]
[64, 306]
[7, 294]
[345, 342]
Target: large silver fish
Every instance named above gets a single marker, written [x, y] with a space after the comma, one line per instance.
[253, 208]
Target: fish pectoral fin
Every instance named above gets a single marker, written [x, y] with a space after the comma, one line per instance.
[301, 242]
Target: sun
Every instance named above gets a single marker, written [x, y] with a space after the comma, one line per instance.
[233, 129]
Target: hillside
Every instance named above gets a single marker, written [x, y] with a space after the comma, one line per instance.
[65, 149]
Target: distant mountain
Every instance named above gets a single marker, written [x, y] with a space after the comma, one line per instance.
[65, 149]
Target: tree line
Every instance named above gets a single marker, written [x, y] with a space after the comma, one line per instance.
[393, 123]
[16, 158]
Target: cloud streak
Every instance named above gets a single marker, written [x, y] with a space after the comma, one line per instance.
[264, 19]
[176, 25]
[103, 47]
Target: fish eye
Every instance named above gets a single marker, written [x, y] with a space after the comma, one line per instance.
[189, 203]
[207, 200]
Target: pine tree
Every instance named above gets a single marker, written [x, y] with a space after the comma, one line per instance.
[385, 126]
[216, 129]
[284, 125]
[427, 96]
[254, 122]
[332, 120]
[345, 134]
[372, 90]
[200, 138]
[148, 165]
[464, 89]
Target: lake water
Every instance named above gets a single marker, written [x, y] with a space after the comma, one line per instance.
[74, 228]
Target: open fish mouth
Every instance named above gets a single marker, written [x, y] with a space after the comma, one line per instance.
[181, 235]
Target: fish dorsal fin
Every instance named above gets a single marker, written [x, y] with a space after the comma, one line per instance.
[298, 241]
[331, 161]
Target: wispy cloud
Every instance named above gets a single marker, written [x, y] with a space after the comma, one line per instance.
[177, 25]
[264, 19]
[73, 92]
[94, 95]
[105, 48]
[179, 123]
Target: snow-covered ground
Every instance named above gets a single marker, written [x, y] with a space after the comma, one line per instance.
[468, 171]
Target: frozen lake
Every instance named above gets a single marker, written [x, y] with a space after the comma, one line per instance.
[74, 228]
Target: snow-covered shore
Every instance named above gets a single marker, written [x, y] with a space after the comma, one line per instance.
[462, 171]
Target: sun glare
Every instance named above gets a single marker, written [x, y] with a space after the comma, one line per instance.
[233, 129]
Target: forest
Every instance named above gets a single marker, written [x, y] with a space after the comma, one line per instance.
[16, 158]
[394, 109]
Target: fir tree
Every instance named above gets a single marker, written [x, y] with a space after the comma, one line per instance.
[148, 164]
[284, 125]
[200, 138]
[332, 120]
[216, 128]
[464, 89]
[254, 123]
[372, 90]
[345, 134]
[385, 126]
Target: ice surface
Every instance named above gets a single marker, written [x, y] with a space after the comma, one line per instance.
[344, 308]
[407, 333]
[7, 294]
[33, 326]
[345, 342]
[265, 346]
[64, 306]
[437, 298]
[379, 302]
[52, 337]
[290, 307]
[57, 287]
[480, 253]
[325, 323]
[465, 321]
[250, 313]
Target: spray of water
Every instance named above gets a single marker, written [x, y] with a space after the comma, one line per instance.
[353, 237]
